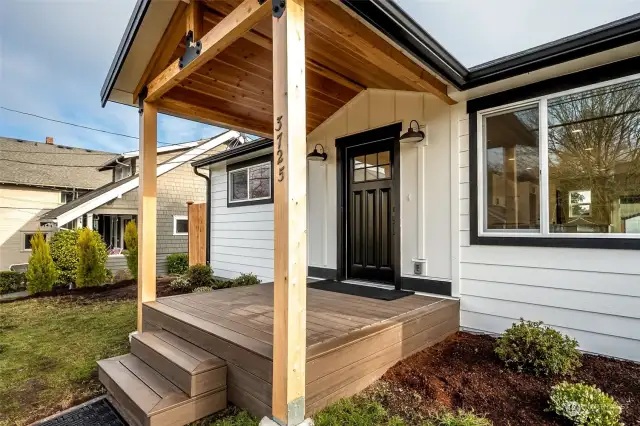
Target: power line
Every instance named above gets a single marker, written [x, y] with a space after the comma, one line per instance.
[77, 125]
[92, 167]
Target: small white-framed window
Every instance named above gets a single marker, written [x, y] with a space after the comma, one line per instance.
[26, 240]
[250, 184]
[561, 165]
[180, 225]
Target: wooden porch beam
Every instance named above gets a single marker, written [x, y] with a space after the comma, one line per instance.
[195, 19]
[232, 27]
[147, 202]
[290, 207]
[171, 38]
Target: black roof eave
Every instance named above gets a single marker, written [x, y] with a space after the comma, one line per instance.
[247, 148]
[392, 21]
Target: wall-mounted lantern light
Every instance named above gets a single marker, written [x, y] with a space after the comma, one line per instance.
[412, 135]
[317, 156]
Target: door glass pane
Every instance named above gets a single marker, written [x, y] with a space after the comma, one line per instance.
[358, 175]
[384, 172]
[371, 173]
[358, 162]
[594, 160]
[371, 160]
[512, 170]
[384, 158]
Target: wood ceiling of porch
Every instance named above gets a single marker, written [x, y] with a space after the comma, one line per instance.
[235, 89]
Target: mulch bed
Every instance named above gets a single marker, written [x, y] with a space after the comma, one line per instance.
[463, 373]
[123, 290]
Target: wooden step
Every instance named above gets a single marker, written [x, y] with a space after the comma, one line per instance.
[145, 398]
[189, 367]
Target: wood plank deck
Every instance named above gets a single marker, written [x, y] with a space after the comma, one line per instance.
[351, 340]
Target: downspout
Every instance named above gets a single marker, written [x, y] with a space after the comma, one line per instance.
[208, 239]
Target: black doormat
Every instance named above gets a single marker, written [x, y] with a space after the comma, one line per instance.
[97, 413]
[359, 290]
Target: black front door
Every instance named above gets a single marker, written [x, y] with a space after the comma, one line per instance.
[370, 229]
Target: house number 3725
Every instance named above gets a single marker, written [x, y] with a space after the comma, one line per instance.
[279, 153]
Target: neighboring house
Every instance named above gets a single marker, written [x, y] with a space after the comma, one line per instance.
[110, 207]
[523, 199]
[36, 177]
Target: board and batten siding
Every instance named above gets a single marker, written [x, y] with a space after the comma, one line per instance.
[591, 294]
[375, 108]
[241, 237]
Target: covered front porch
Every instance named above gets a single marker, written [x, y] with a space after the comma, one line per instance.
[350, 340]
[280, 70]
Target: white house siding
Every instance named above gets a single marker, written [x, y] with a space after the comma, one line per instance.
[241, 237]
[375, 108]
[21, 208]
[590, 294]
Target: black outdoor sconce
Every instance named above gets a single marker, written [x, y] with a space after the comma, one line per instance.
[412, 135]
[317, 156]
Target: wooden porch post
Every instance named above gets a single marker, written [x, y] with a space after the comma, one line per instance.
[147, 207]
[290, 213]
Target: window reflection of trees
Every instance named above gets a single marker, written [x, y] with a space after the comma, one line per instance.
[594, 145]
[260, 181]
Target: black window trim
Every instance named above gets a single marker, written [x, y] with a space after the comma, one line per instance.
[520, 96]
[268, 158]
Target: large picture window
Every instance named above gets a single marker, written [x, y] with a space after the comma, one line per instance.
[250, 184]
[563, 165]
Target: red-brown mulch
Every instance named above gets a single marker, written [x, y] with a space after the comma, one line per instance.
[463, 373]
[123, 290]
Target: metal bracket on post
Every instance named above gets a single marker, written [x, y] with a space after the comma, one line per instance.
[141, 97]
[278, 8]
[192, 52]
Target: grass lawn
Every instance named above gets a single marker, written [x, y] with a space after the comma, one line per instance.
[48, 352]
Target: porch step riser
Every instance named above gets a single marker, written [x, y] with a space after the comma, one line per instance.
[191, 384]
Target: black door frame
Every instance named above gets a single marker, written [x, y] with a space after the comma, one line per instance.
[391, 131]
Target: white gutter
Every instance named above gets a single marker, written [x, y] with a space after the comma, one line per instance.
[188, 156]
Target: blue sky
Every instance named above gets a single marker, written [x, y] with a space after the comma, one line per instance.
[54, 56]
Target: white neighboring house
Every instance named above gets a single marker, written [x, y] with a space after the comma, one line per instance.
[110, 207]
[36, 177]
[522, 200]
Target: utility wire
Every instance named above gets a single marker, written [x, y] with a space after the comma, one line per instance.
[81, 126]
[92, 167]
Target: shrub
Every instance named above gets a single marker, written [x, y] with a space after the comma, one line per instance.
[41, 273]
[108, 276]
[180, 283]
[585, 405]
[122, 275]
[530, 346]
[64, 251]
[244, 280]
[200, 276]
[202, 289]
[92, 257]
[177, 263]
[460, 418]
[11, 281]
[356, 412]
[131, 253]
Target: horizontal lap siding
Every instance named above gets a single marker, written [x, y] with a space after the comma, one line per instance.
[592, 295]
[241, 237]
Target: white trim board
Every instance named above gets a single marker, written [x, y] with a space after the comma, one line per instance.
[193, 153]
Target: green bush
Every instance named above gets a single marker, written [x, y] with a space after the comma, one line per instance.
[131, 253]
[11, 281]
[92, 258]
[533, 347]
[202, 289]
[177, 263]
[244, 280]
[64, 251]
[41, 273]
[356, 412]
[585, 405]
[460, 418]
[200, 276]
[180, 283]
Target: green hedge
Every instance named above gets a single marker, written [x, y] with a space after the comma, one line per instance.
[177, 263]
[92, 258]
[64, 252]
[11, 282]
